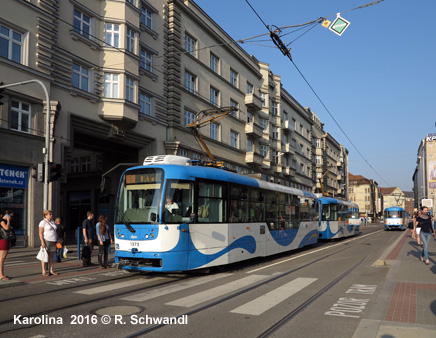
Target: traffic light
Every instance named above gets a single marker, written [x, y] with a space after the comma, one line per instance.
[1, 93]
[38, 172]
[55, 171]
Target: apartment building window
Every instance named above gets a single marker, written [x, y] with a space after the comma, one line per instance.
[20, 116]
[249, 117]
[214, 63]
[146, 60]
[190, 82]
[130, 40]
[318, 143]
[80, 77]
[264, 124]
[302, 168]
[264, 150]
[11, 44]
[74, 165]
[249, 88]
[318, 160]
[146, 17]
[276, 157]
[214, 96]
[188, 117]
[235, 104]
[285, 116]
[275, 133]
[234, 139]
[112, 35]
[214, 131]
[263, 98]
[233, 78]
[190, 45]
[85, 163]
[111, 85]
[130, 89]
[274, 108]
[82, 23]
[250, 146]
[145, 103]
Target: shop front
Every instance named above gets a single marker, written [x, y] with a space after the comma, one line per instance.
[13, 196]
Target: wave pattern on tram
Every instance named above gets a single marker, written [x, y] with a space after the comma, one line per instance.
[178, 217]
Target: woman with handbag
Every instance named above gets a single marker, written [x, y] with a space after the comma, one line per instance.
[49, 238]
[4, 245]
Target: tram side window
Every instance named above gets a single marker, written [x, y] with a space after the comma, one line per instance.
[257, 205]
[307, 209]
[272, 212]
[292, 210]
[239, 206]
[342, 213]
[211, 202]
[179, 201]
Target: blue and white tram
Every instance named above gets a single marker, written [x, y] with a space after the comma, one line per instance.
[337, 218]
[396, 218]
[216, 217]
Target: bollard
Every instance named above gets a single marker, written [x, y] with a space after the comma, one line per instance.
[79, 241]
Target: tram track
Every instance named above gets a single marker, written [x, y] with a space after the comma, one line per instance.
[273, 328]
[197, 310]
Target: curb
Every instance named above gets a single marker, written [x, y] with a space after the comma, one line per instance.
[382, 260]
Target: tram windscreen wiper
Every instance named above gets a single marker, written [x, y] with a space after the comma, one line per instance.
[124, 220]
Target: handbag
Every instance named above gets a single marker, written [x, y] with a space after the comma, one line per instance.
[58, 245]
[42, 255]
[8, 235]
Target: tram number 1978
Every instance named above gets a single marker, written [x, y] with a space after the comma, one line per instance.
[134, 243]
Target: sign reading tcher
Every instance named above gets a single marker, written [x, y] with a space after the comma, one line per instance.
[339, 25]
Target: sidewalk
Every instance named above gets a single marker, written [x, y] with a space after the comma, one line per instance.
[23, 267]
[406, 305]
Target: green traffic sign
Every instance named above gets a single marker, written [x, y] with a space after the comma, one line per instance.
[339, 25]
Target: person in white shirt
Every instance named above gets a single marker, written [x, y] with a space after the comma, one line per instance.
[170, 206]
[48, 237]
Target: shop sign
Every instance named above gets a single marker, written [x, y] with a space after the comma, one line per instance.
[13, 176]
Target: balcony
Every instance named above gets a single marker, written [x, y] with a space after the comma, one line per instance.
[253, 130]
[288, 149]
[277, 168]
[288, 126]
[253, 102]
[289, 171]
[253, 158]
[122, 113]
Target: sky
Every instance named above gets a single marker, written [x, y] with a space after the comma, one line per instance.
[377, 80]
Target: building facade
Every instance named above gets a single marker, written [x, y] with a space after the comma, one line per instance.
[424, 177]
[124, 79]
[367, 195]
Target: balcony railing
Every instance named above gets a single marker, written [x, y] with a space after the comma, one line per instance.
[253, 158]
[254, 130]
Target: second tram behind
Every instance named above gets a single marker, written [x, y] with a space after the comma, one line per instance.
[337, 218]
[396, 218]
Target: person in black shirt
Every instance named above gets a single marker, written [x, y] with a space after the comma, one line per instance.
[88, 229]
[426, 223]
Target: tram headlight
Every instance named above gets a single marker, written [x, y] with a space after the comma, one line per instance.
[122, 236]
[146, 236]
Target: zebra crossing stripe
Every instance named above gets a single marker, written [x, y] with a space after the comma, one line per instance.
[147, 295]
[265, 302]
[116, 286]
[204, 296]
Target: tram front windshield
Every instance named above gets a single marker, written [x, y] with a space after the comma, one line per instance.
[394, 214]
[354, 214]
[139, 196]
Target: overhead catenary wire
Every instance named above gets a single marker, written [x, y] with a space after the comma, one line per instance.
[278, 42]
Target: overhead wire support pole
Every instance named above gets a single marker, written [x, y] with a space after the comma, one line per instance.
[46, 150]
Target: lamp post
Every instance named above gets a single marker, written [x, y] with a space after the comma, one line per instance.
[46, 149]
